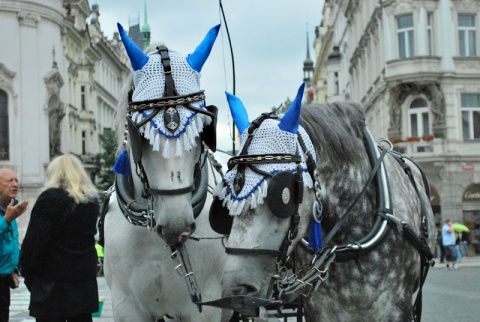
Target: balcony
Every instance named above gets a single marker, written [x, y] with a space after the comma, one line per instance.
[414, 67]
[419, 148]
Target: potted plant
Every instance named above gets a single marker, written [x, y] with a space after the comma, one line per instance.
[428, 138]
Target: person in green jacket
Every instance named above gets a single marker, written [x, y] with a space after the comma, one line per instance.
[10, 209]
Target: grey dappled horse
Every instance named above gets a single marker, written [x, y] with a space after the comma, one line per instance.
[160, 189]
[317, 172]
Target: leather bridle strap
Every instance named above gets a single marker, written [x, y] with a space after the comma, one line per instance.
[250, 251]
[167, 70]
[170, 192]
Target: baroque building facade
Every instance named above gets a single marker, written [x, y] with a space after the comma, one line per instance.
[414, 66]
[60, 80]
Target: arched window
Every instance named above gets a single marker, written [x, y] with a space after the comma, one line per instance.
[4, 140]
[418, 122]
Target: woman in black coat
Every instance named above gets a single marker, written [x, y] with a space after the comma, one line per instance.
[58, 258]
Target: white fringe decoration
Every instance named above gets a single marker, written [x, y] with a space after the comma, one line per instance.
[199, 123]
[156, 144]
[166, 149]
[253, 200]
[186, 142]
[193, 126]
[240, 207]
[191, 136]
[259, 197]
[146, 132]
[178, 149]
[151, 136]
[264, 188]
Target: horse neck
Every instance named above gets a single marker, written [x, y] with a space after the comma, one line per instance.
[341, 184]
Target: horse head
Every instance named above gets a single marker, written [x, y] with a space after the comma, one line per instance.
[167, 125]
[259, 200]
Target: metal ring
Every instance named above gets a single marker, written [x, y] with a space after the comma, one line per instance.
[314, 212]
[386, 141]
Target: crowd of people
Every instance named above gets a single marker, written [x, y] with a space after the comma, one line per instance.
[58, 258]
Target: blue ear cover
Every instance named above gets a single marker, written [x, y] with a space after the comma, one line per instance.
[239, 113]
[291, 120]
[138, 58]
[197, 59]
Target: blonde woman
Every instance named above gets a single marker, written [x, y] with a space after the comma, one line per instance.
[58, 258]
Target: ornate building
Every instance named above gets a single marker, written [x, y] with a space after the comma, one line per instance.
[415, 68]
[59, 83]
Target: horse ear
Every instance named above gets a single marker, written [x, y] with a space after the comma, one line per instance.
[291, 120]
[138, 58]
[239, 113]
[201, 53]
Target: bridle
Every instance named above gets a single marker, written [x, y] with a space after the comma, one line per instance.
[286, 187]
[138, 213]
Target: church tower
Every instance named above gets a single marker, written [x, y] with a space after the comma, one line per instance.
[307, 74]
[145, 33]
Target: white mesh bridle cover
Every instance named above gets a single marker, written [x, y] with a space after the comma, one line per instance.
[268, 139]
[149, 84]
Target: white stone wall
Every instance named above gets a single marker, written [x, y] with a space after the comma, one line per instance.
[35, 79]
[369, 71]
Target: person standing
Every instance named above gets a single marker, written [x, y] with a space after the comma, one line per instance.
[10, 209]
[440, 246]
[58, 258]
[448, 239]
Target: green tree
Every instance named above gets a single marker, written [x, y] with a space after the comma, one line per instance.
[283, 108]
[108, 141]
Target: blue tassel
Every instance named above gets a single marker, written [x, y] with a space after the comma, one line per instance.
[315, 231]
[315, 236]
[122, 165]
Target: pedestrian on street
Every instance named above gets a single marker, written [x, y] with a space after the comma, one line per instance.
[448, 239]
[440, 246]
[10, 209]
[58, 259]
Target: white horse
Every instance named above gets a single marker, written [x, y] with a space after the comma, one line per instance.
[167, 125]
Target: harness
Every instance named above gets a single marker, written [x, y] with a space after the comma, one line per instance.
[315, 272]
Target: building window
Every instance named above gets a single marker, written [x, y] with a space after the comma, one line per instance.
[467, 35]
[84, 142]
[471, 116]
[430, 38]
[4, 140]
[82, 97]
[419, 125]
[406, 47]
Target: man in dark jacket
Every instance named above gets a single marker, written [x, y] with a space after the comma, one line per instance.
[10, 209]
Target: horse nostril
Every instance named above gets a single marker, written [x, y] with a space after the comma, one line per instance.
[244, 290]
[183, 237]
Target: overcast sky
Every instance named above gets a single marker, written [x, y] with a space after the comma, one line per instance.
[268, 39]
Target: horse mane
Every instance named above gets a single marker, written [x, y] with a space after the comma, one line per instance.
[335, 130]
[123, 101]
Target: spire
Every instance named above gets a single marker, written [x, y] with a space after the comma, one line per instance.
[145, 28]
[308, 74]
[307, 64]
